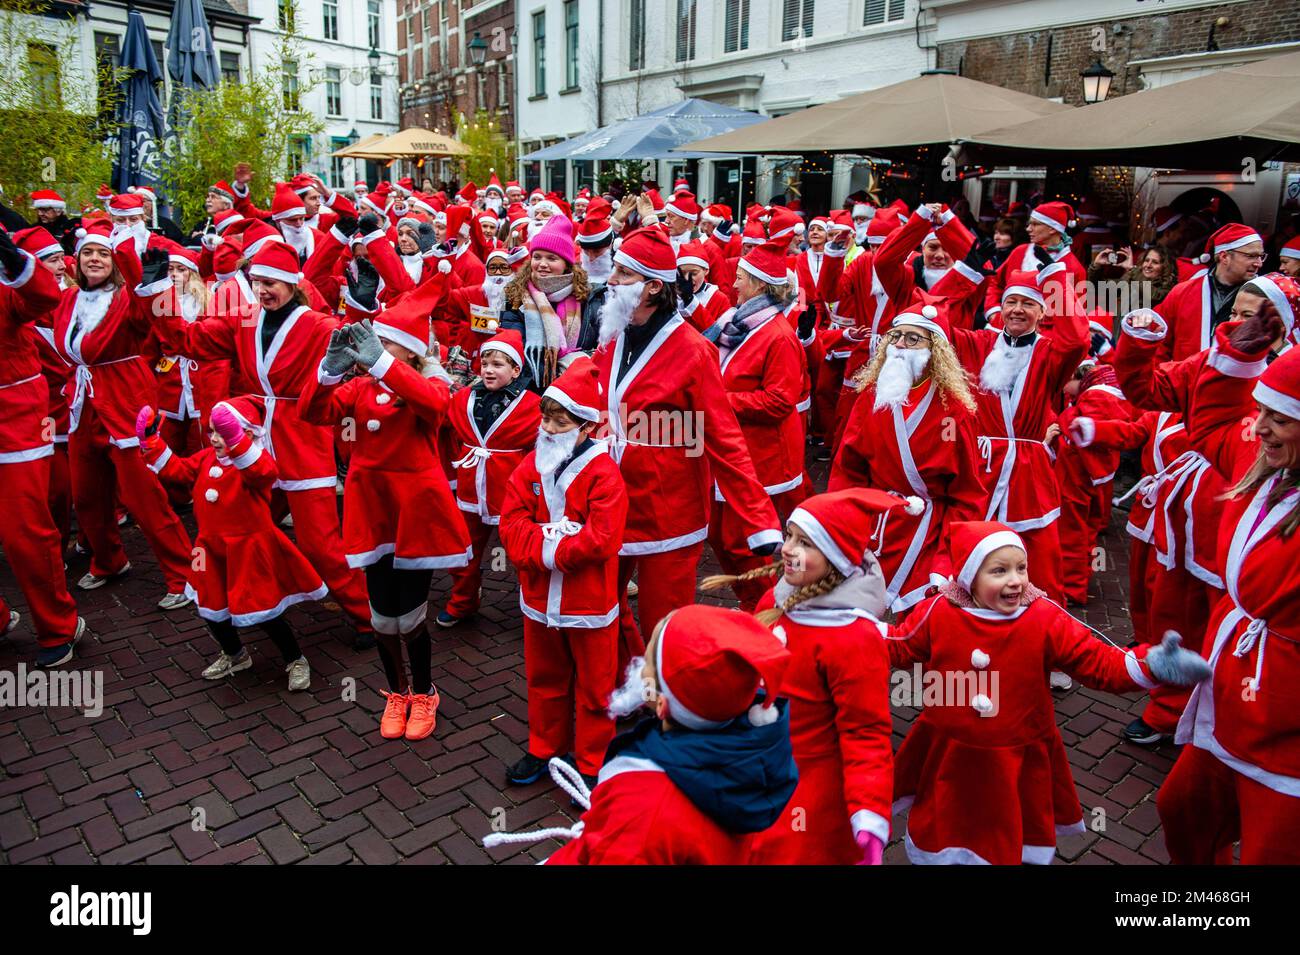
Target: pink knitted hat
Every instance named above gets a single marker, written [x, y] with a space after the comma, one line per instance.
[556, 236]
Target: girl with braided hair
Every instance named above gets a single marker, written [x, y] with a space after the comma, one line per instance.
[827, 607]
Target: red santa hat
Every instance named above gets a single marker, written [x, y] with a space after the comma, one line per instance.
[483, 217]
[595, 229]
[692, 253]
[925, 315]
[286, 203]
[1291, 250]
[509, 343]
[1024, 284]
[970, 542]
[842, 524]
[648, 252]
[680, 186]
[259, 234]
[578, 390]
[38, 241]
[468, 192]
[494, 185]
[406, 184]
[458, 221]
[224, 219]
[885, 222]
[1018, 210]
[129, 204]
[1284, 292]
[710, 663]
[656, 200]
[822, 222]
[1055, 215]
[513, 185]
[715, 213]
[406, 323]
[362, 183]
[536, 194]
[861, 209]
[754, 233]
[768, 262]
[784, 224]
[1279, 387]
[840, 221]
[104, 193]
[683, 204]
[177, 254]
[276, 260]
[302, 183]
[754, 212]
[1165, 217]
[223, 188]
[97, 233]
[377, 198]
[144, 192]
[498, 251]
[1232, 236]
[249, 411]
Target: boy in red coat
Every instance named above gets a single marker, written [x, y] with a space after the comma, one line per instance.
[693, 784]
[562, 525]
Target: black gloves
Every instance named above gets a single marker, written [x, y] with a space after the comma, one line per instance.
[1042, 255]
[426, 237]
[368, 224]
[725, 226]
[685, 289]
[363, 284]
[807, 321]
[11, 257]
[153, 265]
[764, 550]
[347, 226]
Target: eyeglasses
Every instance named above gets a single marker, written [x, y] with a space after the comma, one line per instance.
[909, 339]
[1252, 256]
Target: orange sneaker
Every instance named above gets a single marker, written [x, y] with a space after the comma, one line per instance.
[392, 725]
[424, 715]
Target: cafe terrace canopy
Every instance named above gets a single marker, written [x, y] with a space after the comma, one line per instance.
[933, 109]
[655, 135]
[410, 143]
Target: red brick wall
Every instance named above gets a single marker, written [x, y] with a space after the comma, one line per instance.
[1021, 61]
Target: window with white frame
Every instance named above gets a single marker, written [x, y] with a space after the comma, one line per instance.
[570, 44]
[735, 26]
[539, 53]
[373, 12]
[333, 91]
[636, 35]
[876, 12]
[686, 14]
[796, 19]
[330, 19]
[376, 95]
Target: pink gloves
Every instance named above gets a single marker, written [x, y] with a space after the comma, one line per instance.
[147, 423]
[227, 425]
[873, 849]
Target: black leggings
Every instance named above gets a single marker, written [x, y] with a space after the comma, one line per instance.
[276, 629]
[394, 593]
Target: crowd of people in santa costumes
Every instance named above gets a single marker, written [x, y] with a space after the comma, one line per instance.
[347, 394]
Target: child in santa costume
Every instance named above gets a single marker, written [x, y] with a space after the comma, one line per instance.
[1240, 777]
[400, 522]
[912, 431]
[985, 771]
[827, 607]
[28, 534]
[495, 421]
[764, 374]
[562, 525]
[700, 302]
[696, 782]
[247, 572]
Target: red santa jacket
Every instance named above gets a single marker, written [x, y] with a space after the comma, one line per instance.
[25, 397]
[1163, 440]
[486, 461]
[1190, 488]
[838, 687]
[1023, 259]
[818, 275]
[1188, 311]
[983, 768]
[1018, 470]
[671, 428]
[927, 449]
[1247, 715]
[562, 531]
[232, 329]
[764, 377]
[1084, 467]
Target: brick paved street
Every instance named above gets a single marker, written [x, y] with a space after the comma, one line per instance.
[283, 777]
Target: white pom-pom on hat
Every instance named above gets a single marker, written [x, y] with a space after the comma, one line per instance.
[1072, 224]
[929, 311]
[444, 266]
[914, 505]
[763, 715]
[81, 233]
[1203, 257]
[493, 324]
[799, 228]
[211, 495]
[979, 659]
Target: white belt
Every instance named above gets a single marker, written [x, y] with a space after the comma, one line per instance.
[271, 401]
[985, 445]
[558, 530]
[476, 454]
[15, 384]
[86, 388]
[186, 366]
[1256, 632]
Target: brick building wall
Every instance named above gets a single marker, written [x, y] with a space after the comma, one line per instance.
[1047, 62]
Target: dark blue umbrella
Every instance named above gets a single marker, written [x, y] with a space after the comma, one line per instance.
[141, 113]
[191, 60]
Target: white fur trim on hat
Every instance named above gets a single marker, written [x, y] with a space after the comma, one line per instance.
[1025, 291]
[1051, 223]
[823, 541]
[49, 204]
[692, 260]
[290, 213]
[578, 411]
[1236, 243]
[182, 260]
[663, 275]
[508, 350]
[1278, 298]
[924, 319]
[1277, 401]
[669, 207]
[399, 337]
[266, 272]
[1289, 253]
[966, 576]
[758, 273]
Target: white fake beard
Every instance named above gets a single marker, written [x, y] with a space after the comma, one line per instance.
[554, 449]
[901, 370]
[296, 236]
[494, 290]
[861, 234]
[620, 302]
[600, 268]
[932, 276]
[1004, 366]
[631, 696]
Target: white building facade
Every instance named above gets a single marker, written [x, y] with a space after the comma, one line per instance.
[587, 63]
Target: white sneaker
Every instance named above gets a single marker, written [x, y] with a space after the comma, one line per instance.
[299, 674]
[91, 582]
[174, 602]
[223, 666]
[1059, 681]
[14, 617]
[632, 589]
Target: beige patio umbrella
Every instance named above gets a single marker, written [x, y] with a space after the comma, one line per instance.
[934, 108]
[1213, 121]
[410, 143]
[351, 150]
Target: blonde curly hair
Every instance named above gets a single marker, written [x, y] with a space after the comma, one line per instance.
[946, 371]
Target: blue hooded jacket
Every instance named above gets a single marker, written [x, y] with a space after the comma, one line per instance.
[741, 776]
